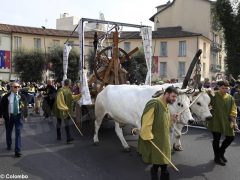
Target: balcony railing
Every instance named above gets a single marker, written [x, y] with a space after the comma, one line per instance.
[215, 68]
[216, 47]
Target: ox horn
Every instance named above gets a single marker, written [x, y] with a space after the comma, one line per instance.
[158, 93]
[190, 69]
[183, 91]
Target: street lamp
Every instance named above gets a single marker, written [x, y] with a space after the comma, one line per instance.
[45, 53]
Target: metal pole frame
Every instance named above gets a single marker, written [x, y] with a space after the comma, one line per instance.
[45, 53]
[82, 20]
[102, 22]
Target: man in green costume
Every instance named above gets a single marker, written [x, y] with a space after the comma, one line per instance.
[223, 122]
[63, 107]
[156, 122]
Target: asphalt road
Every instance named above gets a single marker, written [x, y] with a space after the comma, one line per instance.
[46, 158]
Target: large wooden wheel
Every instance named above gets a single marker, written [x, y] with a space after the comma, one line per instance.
[108, 67]
[104, 65]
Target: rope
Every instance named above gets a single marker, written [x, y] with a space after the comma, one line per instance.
[178, 132]
[190, 104]
[186, 130]
[174, 127]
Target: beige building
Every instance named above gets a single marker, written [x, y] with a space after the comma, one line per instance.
[173, 50]
[193, 16]
[14, 37]
[181, 27]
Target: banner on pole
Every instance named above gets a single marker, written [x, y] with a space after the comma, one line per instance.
[66, 51]
[86, 97]
[146, 33]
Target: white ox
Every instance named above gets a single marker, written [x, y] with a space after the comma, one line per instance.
[125, 104]
[200, 109]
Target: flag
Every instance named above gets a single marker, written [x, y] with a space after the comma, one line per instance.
[86, 97]
[7, 59]
[2, 63]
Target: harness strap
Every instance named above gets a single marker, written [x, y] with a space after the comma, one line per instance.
[190, 104]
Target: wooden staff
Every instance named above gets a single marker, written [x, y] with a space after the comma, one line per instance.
[75, 124]
[164, 156]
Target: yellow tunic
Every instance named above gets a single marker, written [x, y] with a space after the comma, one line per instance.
[155, 127]
[223, 109]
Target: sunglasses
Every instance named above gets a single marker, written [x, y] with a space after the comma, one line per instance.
[16, 86]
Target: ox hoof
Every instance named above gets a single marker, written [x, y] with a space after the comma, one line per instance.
[127, 150]
[96, 143]
[177, 148]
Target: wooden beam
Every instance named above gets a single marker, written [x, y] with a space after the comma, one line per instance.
[115, 57]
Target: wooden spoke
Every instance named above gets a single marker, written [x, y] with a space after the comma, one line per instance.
[103, 63]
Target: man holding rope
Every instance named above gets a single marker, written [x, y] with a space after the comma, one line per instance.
[63, 108]
[154, 140]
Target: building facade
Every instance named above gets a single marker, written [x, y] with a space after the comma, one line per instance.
[181, 27]
[13, 38]
[173, 49]
[195, 16]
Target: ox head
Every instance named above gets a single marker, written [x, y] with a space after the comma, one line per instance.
[200, 106]
[181, 105]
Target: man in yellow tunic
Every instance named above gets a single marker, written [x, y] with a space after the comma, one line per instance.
[156, 122]
[63, 107]
[223, 122]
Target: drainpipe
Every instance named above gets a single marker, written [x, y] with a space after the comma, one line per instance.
[197, 44]
[11, 49]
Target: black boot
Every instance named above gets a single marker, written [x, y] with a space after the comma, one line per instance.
[59, 134]
[165, 176]
[227, 141]
[221, 154]
[154, 174]
[216, 151]
[69, 138]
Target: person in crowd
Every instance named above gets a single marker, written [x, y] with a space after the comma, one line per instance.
[63, 108]
[31, 93]
[77, 90]
[237, 100]
[233, 89]
[156, 122]
[231, 80]
[13, 107]
[3, 90]
[206, 83]
[49, 93]
[223, 122]
[38, 102]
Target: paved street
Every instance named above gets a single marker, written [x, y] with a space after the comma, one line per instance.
[45, 158]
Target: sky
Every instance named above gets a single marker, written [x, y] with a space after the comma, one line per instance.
[37, 13]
